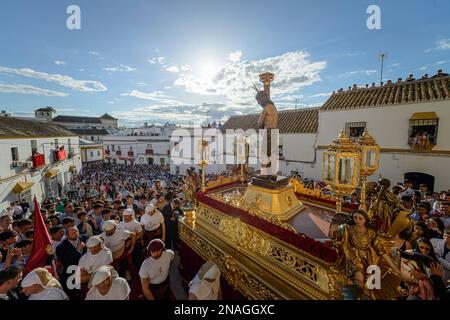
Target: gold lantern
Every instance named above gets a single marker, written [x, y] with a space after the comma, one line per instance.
[370, 162]
[242, 154]
[341, 167]
[203, 147]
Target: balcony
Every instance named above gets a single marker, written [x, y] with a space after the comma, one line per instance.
[60, 155]
[38, 160]
[149, 152]
[130, 154]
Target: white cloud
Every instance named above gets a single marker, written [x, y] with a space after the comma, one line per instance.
[158, 96]
[423, 68]
[94, 53]
[354, 54]
[438, 63]
[173, 69]
[357, 72]
[186, 67]
[159, 60]
[428, 50]
[320, 95]
[27, 89]
[120, 68]
[62, 80]
[60, 63]
[394, 65]
[235, 56]
[443, 44]
[292, 70]
[141, 84]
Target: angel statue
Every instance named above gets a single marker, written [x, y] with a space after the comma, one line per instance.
[390, 215]
[360, 247]
[190, 186]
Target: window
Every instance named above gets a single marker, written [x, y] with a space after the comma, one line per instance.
[355, 129]
[280, 149]
[131, 148]
[92, 154]
[162, 161]
[15, 154]
[149, 146]
[98, 153]
[107, 147]
[423, 133]
[118, 148]
[56, 144]
[92, 138]
[113, 149]
[34, 146]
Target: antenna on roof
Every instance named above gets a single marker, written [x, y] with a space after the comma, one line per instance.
[296, 103]
[382, 56]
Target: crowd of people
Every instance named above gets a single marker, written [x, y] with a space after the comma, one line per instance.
[114, 236]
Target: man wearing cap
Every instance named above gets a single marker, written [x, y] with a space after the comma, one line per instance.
[129, 223]
[116, 241]
[153, 223]
[95, 257]
[206, 284]
[105, 284]
[40, 285]
[154, 272]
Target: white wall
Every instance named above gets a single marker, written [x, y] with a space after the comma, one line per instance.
[389, 125]
[91, 154]
[9, 176]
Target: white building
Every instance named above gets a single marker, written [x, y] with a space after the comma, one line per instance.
[137, 149]
[36, 159]
[91, 151]
[393, 114]
[77, 122]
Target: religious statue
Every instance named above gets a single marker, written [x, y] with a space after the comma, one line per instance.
[190, 186]
[360, 247]
[267, 120]
[386, 208]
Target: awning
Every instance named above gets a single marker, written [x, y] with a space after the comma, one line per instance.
[22, 186]
[51, 173]
[424, 116]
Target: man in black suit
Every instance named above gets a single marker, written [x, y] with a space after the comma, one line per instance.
[171, 212]
[69, 252]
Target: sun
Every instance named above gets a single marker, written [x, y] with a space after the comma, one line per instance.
[207, 70]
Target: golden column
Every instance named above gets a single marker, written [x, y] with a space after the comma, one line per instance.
[370, 162]
[341, 167]
[203, 162]
[266, 78]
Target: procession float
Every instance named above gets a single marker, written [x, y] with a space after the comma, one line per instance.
[277, 239]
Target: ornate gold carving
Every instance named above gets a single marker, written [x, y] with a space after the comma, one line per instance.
[221, 180]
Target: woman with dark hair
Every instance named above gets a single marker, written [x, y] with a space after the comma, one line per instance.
[435, 228]
[416, 267]
[401, 240]
[419, 230]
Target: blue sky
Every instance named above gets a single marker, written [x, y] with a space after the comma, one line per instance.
[183, 60]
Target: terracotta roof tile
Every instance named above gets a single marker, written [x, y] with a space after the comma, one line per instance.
[289, 121]
[402, 92]
[17, 128]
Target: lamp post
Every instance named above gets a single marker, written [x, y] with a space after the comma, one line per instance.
[204, 158]
[341, 167]
[370, 159]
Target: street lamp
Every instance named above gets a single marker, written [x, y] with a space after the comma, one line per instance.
[203, 147]
[370, 160]
[341, 167]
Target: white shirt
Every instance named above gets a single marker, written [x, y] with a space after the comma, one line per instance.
[152, 222]
[157, 270]
[117, 241]
[49, 294]
[132, 226]
[205, 290]
[119, 291]
[90, 262]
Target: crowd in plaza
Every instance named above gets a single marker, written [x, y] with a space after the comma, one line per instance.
[114, 236]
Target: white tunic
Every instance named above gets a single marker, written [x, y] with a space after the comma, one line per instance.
[152, 222]
[119, 291]
[117, 241]
[157, 270]
[90, 262]
[49, 294]
[132, 226]
[205, 290]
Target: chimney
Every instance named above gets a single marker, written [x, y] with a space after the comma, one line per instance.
[266, 78]
[399, 80]
[373, 84]
[367, 85]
